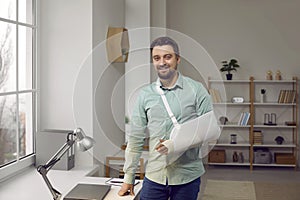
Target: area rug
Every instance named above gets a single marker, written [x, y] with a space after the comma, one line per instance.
[277, 191]
[229, 190]
[248, 190]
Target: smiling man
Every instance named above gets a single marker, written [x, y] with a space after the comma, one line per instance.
[188, 99]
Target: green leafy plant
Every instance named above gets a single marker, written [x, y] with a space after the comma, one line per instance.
[229, 66]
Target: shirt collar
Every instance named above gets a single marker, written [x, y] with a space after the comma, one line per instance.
[179, 83]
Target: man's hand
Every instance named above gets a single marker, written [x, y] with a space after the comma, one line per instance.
[162, 149]
[126, 189]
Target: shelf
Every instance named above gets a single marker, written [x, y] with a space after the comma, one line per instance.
[230, 145]
[256, 104]
[274, 104]
[229, 81]
[231, 164]
[235, 126]
[274, 81]
[277, 126]
[232, 104]
[285, 112]
[275, 145]
[274, 165]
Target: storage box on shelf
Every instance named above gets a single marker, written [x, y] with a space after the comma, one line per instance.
[262, 157]
[217, 156]
[284, 158]
[272, 123]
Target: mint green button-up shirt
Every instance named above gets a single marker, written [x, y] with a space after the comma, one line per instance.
[188, 99]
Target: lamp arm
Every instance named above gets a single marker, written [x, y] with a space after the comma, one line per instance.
[43, 169]
[55, 194]
[57, 156]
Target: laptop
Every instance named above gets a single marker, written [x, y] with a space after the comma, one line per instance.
[88, 192]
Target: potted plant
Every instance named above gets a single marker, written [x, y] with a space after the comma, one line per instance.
[228, 67]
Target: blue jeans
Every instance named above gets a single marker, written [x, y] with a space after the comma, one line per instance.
[155, 191]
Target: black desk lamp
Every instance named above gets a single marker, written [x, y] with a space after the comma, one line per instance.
[84, 142]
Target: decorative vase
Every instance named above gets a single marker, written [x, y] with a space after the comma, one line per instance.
[233, 139]
[229, 76]
[235, 157]
[241, 157]
[262, 98]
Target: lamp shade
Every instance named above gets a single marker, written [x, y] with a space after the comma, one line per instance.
[84, 142]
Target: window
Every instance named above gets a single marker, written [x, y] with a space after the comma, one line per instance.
[17, 84]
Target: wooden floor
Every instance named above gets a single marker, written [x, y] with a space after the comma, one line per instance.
[287, 175]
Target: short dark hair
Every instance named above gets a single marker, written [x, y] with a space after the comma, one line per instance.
[161, 41]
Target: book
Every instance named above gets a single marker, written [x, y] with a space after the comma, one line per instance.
[215, 94]
[245, 119]
[287, 96]
[241, 118]
[257, 137]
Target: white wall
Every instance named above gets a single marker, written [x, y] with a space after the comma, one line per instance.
[78, 87]
[108, 82]
[64, 42]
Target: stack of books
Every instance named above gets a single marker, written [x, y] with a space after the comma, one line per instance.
[244, 119]
[215, 95]
[257, 137]
[287, 96]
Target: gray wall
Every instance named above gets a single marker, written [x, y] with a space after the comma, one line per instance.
[262, 35]
[64, 43]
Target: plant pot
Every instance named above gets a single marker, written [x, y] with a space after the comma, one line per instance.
[229, 76]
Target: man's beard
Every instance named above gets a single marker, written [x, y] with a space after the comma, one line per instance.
[171, 73]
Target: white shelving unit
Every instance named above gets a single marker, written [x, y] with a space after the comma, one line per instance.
[284, 111]
[224, 106]
[250, 91]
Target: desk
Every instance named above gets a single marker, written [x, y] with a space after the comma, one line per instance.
[113, 193]
[30, 185]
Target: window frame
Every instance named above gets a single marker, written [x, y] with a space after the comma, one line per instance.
[20, 164]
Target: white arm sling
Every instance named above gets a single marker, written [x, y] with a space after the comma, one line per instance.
[192, 133]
